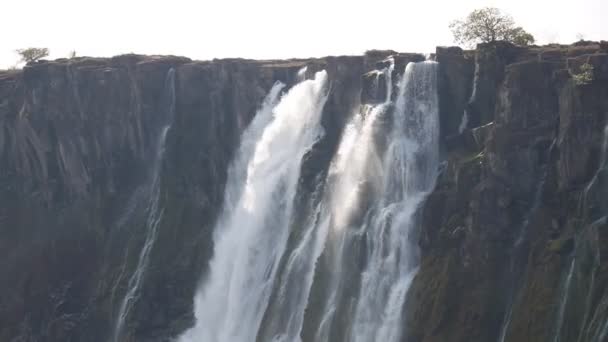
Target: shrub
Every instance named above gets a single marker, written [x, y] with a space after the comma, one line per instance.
[585, 76]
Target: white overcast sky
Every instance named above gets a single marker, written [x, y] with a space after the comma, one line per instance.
[207, 29]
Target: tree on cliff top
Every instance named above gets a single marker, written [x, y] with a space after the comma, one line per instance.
[32, 54]
[488, 25]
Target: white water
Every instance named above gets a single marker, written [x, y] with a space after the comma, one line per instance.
[409, 171]
[251, 237]
[375, 194]
[355, 168]
[601, 165]
[464, 122]
[265, 265]
[302, 74]
[153, 219]
[603, 156]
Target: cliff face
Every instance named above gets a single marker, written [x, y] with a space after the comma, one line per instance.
[80, 142]
[514, 234]
[513, 237]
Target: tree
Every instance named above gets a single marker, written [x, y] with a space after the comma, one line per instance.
[489, 25]
[32, 54]
[519, 36]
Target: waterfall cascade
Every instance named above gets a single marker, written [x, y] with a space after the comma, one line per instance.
[343, 273]
[253, 228]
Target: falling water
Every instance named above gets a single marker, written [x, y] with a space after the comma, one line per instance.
[266, 264]
[602, 163]
[153, 219]
[302, 74]
[355, 168]
[603, 156]
[409, 171]
[251, 236]
[464, 122]
[376, 184]
[285, 315]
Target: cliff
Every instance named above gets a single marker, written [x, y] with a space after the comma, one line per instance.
[514, 234]
[513, 237]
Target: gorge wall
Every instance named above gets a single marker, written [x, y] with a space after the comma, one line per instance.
[98, 155]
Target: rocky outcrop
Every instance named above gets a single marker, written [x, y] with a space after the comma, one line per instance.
[510, 249]
[455, 86]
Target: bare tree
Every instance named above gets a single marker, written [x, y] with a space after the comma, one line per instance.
[486, 25]
[32, 54]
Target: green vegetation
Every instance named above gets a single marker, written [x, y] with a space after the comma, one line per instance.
[585, 76]
[488, 25]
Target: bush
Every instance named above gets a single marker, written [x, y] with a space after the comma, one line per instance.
[585, 76]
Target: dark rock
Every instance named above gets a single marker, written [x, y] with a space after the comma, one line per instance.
[456, 69]
[518, 206]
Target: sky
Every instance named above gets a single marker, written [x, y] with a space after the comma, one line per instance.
[262, 29]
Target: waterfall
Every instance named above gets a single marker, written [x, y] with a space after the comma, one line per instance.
[374, 188]
[464, 122]
[153, 218]
[342, 272]
[409, 170]
[251, 236]
[603, 155]
[602, 163]
[302, 74]
[285, 315]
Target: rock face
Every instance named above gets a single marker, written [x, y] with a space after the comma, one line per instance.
[514, 234]
[513, 238]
